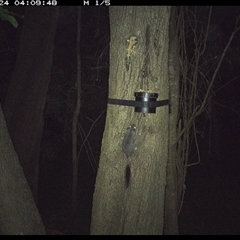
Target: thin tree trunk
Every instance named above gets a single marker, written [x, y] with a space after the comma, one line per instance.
[171, 197]
[75, 116]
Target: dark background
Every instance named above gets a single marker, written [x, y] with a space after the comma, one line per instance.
[211, 203]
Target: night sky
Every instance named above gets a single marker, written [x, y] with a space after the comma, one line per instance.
[211, 203]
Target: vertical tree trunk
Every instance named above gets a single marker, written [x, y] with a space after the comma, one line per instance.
[18, 212]
[138, 61]
[171, 197]
[75, 117]
[25, 100]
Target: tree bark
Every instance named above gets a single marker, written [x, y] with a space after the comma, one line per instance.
[25, 100]
[138, 61]
[18, 212]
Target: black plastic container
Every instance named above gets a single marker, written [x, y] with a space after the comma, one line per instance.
[145, 100]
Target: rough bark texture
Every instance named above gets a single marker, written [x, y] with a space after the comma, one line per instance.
[138, 60]
[18, 212]
[25, 100]
[171, 198]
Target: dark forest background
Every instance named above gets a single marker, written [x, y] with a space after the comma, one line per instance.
[211, 203]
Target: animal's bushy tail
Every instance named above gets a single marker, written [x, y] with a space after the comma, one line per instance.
[127, 175]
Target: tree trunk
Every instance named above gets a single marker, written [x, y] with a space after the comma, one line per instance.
[25, 100]
[75, 118]
[171, 197]
[138, 61]
[18, 212]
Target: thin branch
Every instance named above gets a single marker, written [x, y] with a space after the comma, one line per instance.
[75, 116]
[207, 31]
[90, 131]
[199, 109]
